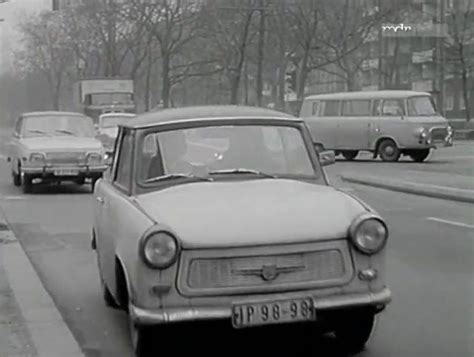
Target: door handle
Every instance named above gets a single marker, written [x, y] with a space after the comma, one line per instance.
[101, 200]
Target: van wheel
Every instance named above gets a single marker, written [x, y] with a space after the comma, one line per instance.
[419, 155]
[388, 151]
[350, 155]
[27, 184]
[16, 179]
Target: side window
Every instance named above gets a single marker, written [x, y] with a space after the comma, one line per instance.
[315, 109]
[377, 108]
[393, 107]
[18, 126]
[124, 164]
[356, 108]
[331, 108]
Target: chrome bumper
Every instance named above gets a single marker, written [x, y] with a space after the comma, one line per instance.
[49, 170]
[182, 314]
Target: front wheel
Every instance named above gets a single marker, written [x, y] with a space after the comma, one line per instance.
[16, 178]
[354, 330]
[27, 183]
[349, 155]
[388, 151]
[419, 155]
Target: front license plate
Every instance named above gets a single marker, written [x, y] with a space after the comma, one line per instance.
[274, 312]
[66, 172]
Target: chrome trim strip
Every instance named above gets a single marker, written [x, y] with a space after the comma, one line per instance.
[154, 317]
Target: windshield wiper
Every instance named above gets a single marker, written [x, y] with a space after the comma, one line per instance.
[175, 176]
[241, 171]
[38, 132]
[65, 132]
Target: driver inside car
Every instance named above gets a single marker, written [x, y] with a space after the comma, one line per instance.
[171, 160]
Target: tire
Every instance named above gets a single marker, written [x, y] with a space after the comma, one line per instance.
[419, 155]
[354, 330]
[142, 339]
[349, 155]
[106, 294]
[388, 151]
[16, 178]
[80, 181]
[27, 184]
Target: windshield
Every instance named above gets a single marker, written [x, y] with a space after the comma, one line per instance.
[110, 98]
[58, 125]
[420, 106]
[263, 151]
[113, 121]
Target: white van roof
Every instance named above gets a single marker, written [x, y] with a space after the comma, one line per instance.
[380, 94]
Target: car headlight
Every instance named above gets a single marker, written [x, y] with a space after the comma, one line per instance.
[422, 133]
[159, 250]
[369, 234]
[37, 158]
[95, 159]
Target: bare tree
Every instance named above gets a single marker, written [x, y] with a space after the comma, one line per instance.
[47, 50]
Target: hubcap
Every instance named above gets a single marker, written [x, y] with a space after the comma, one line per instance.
[389, 150]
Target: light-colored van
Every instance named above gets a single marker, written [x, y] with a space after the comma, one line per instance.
[388, 123]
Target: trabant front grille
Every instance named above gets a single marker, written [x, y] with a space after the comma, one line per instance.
[66, 158]
[439, 134]
[237, 271]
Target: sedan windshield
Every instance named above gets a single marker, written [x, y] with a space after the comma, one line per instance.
[421, 106]
[113, 121]
[255, 151]
[58, 125]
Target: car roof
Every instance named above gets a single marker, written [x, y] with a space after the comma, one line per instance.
[217, 112]
[114, 114]
[51, 113]
[381, 94]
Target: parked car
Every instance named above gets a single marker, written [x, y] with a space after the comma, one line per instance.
[107, 129]
[225, 213]
[388, 123]
[55, 147]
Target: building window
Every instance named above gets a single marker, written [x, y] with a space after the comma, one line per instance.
[462, 102]
[449, 102]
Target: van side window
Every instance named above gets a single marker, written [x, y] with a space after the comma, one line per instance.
[356, 108]
[331, 108]
[393, 107]
[315, 110]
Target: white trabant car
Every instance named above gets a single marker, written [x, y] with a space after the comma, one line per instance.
[107, 129]
[55, 147]
[225, 213]
[388, 123]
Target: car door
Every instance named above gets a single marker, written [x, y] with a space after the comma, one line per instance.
[111, 197]
[353, 130]
[388, 120]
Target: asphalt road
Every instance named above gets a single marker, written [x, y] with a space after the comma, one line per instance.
[430, 272]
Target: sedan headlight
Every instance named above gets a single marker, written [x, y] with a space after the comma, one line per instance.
[369, 234]
[37, 158]
[95, 159]
[422, 133]
[159, 250]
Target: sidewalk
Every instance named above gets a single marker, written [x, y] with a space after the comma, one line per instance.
[425, 183]
[30, 324]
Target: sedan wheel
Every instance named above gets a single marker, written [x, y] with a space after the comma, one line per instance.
[388, 151]
[350, 155]
[27, 183]
[354, 330]
[419, 155]
[16, 179]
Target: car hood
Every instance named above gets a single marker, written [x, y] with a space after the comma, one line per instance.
[254, 212]
[62, 143]
[429, 121]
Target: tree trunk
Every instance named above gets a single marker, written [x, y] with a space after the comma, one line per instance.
[465, 94]
[166, 85]
[261, 52]
[147, 82]
[303, 76]
[234, 88]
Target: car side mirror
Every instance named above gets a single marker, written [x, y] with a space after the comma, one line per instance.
[327, 158]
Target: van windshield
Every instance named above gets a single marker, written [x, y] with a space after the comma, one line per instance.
[421, 106]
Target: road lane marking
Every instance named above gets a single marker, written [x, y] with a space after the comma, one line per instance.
[13, 198]
[453, 223]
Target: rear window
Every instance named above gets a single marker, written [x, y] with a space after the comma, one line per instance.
[356, 108]
[331, 108]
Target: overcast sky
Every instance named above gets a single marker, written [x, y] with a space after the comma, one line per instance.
[12, 12]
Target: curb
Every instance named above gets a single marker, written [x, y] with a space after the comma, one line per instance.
[50, 335]
[442, 192]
